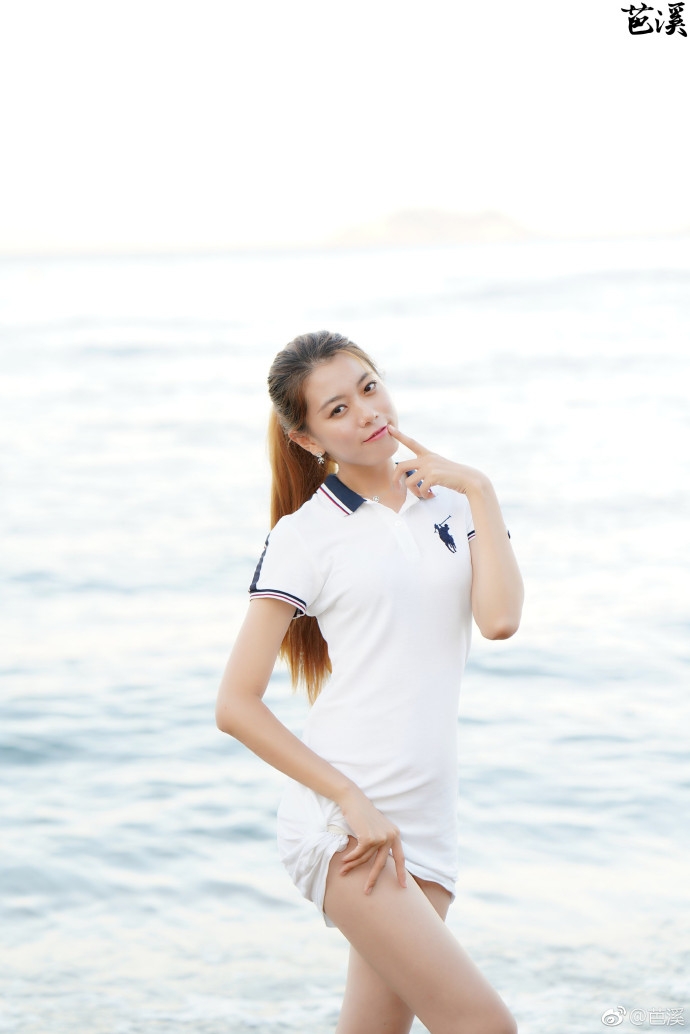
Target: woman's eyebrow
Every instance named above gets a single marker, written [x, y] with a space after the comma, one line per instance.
[365, 375]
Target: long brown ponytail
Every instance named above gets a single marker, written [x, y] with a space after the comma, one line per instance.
[296, 475]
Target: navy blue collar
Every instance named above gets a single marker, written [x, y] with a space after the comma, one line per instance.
[340, 495]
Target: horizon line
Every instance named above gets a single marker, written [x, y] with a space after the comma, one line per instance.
[300, 247]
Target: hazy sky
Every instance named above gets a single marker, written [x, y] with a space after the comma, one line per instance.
[154, 124]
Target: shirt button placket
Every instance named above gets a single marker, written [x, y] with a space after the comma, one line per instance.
[405, 538]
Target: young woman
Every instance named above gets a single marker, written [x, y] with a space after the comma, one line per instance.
[372, 574]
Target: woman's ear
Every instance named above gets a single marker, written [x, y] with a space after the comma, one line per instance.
[306, 442]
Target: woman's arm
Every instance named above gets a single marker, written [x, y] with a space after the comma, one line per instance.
[497, 589]
[241, 712]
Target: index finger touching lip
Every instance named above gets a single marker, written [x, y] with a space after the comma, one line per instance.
[405, 439]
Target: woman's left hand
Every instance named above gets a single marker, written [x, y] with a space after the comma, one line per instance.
[431, 469]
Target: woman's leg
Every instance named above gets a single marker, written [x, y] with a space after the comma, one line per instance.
[404, 941]
[369, 1004]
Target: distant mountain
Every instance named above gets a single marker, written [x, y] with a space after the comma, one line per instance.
[428, 227]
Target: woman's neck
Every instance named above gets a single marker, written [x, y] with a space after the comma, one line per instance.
[377, 483]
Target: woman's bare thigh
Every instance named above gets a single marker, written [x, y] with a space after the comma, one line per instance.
[439, 897]
[400, 934]
[370, 1006]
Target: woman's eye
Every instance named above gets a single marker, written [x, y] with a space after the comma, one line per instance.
[370, 386]
[336, 411]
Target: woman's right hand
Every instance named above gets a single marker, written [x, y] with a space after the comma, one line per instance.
[376, 836]
[241, 712]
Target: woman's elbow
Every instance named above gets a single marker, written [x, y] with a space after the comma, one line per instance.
[226, 717]
[503, 628]
[222, 719]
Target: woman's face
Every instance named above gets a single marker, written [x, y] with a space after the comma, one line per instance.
[348, 412]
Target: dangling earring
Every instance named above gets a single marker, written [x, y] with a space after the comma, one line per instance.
[319, 458]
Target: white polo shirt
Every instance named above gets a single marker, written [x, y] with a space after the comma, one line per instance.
[391, 593]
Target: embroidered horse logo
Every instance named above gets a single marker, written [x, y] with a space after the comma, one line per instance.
[445, 535]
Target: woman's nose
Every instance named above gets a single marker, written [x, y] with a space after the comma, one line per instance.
[367, 413]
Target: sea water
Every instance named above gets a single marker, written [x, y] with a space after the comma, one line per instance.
[139, 881]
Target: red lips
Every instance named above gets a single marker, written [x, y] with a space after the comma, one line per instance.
[377, 433]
